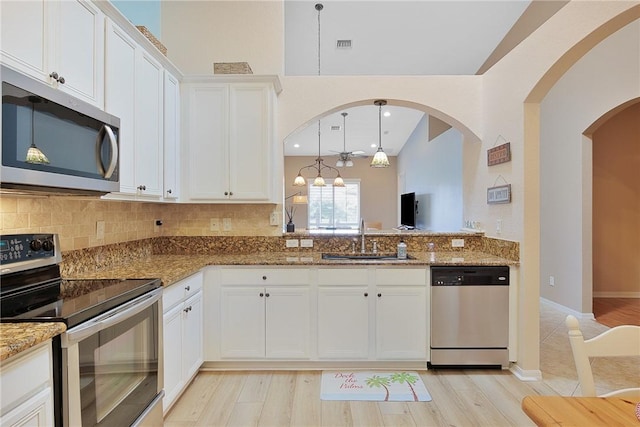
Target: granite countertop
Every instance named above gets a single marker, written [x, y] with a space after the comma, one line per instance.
[18, 337]
[173, 268]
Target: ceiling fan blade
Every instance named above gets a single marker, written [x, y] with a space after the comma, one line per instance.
[357, 152]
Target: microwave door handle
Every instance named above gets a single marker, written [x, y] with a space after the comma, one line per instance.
[106, 129]
[110, 318]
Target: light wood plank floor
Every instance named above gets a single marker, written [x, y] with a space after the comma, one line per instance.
[292, 398]
[460, 397]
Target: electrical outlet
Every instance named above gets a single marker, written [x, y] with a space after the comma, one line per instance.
[292, 243]
[274, 218]
[226, 224]
[457, 243]
[552, 281]
[214, 224]
[498, 226]
[306, 243]
[100, 230]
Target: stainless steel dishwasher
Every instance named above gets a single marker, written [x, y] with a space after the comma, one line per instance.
[470, 316]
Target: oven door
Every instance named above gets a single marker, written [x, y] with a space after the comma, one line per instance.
[111, 366]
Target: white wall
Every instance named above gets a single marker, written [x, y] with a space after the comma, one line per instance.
[433, 170]
[583, 94]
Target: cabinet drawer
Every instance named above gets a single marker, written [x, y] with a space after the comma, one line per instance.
[264, 276]
[181, 290]
[401, 276]
[343, 276]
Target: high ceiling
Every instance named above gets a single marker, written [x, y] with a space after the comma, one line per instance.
[422, 37]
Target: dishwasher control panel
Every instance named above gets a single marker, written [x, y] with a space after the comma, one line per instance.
[469, 275]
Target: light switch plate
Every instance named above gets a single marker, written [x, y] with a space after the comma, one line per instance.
[306, 243]
[292, 243]
[457, 243]
[226, 224]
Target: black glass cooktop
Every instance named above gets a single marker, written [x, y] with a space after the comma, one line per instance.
[72, 301]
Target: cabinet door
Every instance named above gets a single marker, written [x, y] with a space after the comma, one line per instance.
[26, 51]
[242, 322]
[287, 322]
[401, 322]
[192, 335]
[79, 50]
[208, 158]
[119, 95]
[172, 351]
[249, 142]
[171, 136]
[149, 113]
[37, 411]
[343, 322]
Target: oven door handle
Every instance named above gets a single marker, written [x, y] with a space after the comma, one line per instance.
[110, 318]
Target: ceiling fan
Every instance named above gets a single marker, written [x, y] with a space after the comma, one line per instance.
[345, 157]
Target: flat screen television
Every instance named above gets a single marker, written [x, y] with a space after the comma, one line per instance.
[408, 210]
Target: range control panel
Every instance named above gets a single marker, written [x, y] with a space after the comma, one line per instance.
[23, 247]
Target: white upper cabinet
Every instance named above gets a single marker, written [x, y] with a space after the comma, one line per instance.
[171, 136]
[134, 84]
[58, 42]
[230, 140]
[149, 143]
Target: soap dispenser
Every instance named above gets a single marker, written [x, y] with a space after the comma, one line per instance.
[402, 250]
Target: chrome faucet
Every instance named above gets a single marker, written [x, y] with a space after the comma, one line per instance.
[363, 247]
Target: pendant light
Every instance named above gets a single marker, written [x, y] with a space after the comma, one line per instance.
[319, 163]
[34, 154]
[380, 160]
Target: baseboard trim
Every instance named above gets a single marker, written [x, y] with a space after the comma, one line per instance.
[526, 375]
[567, 310]
[616, 294]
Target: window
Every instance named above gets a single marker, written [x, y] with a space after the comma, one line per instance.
[334, 207]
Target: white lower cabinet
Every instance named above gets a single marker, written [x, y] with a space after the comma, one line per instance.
[317, 314]
[271, 321]
[26, 380]
[401, 313]
[182, 335]
[376, 313]
[343, 313]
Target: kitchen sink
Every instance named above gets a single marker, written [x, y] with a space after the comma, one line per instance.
[364, 257]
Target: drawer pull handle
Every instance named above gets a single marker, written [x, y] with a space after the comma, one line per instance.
[187, 288]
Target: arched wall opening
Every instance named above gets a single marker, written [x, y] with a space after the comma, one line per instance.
[431, 166]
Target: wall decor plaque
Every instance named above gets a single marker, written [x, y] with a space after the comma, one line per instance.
[499, 194]
[499, 154]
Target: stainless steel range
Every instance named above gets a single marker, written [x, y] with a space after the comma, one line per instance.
[107, 365]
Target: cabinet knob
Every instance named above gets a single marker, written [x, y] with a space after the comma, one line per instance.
[366, 294]
[187, 288]
[267, 295]
[264, 277]
[188, 309]
[231, 193]
[379, 295]
[142, 187]
[261, 294]
[169, 191]
[226, 193]
[54, 75]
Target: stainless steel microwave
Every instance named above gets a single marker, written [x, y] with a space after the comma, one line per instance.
[53, 142]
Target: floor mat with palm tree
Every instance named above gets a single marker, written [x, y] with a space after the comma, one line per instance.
[397, 386]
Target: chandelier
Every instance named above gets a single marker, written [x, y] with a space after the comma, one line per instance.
[318, 166]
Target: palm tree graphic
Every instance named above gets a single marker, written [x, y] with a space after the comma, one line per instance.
[405, 377]
[376, 381]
